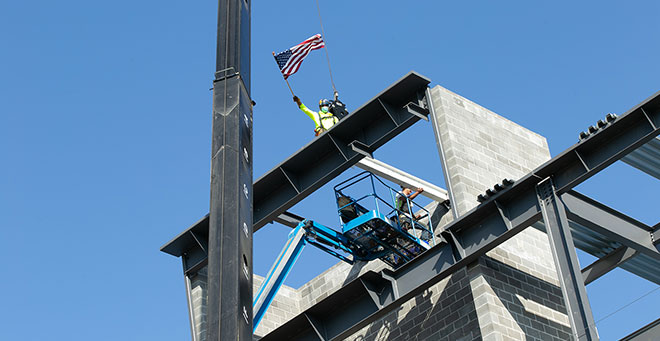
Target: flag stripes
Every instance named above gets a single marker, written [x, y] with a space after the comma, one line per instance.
[289, 61]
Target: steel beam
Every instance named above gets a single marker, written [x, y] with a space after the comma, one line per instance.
[229, 299]
[566, 263]
[627, 133]
[649, 332]
[402, 178]
[607, 263]
[614, 225]
[289, 219]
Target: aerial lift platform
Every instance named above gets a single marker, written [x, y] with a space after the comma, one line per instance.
[371, 228]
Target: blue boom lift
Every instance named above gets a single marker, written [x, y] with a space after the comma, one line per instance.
[371, 228]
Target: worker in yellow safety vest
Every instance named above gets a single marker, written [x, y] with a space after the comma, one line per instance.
[323, 119]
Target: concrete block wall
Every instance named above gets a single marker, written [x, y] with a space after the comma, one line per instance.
[512, 304]
[285, 306]
[444, 312]
[198, 293]
[480, 149]
[289, 301]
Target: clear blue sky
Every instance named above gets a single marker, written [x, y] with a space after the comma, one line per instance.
[105, 126]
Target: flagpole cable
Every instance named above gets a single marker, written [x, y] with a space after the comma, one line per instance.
[327, 55]
[286, 80]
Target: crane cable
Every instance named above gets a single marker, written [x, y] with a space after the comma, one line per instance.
[326, 47]
[618, 310]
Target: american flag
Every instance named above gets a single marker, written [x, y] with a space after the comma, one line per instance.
[289, 61]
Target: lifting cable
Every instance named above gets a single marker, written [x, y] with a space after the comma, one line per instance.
[618, 310]
[326, 47]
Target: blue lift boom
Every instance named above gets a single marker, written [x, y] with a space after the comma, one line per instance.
[367, 234]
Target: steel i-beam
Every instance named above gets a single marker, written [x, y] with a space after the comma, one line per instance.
[566, 262]
[229, 300]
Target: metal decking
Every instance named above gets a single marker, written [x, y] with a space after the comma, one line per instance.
[646, 158]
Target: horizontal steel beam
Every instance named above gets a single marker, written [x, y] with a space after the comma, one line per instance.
[614, 225]
[491, 223]
[617, 139]
[289, 219]
[650, 331]
[192, 243]
[607, 263]
[402, 178]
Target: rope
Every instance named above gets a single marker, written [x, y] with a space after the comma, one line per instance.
[618, 310]
[326, 47]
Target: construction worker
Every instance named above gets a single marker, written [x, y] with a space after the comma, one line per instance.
[401, 204]
[323, 120]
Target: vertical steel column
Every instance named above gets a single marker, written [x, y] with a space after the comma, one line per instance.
[568, 268]
[229, 300]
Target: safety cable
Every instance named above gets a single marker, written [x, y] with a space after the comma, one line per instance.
[327, 55]
[618, 310]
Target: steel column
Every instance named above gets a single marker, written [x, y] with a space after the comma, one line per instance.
[229, 300]
[568, 268]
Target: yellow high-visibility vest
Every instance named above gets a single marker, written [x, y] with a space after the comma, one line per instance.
[320, 118]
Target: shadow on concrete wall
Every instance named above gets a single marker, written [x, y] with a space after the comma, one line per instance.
[453, 316]
[529, 300]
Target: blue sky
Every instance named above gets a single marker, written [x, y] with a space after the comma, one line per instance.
[105, 126]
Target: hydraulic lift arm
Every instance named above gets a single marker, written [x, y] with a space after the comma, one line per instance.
[278, 273]
[307, 231]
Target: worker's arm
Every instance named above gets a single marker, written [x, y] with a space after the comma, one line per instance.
[414, 195]
[306, 110]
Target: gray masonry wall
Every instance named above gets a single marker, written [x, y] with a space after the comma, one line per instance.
[198, 295]
[481, 148]
[512, 293]
[515, 286]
